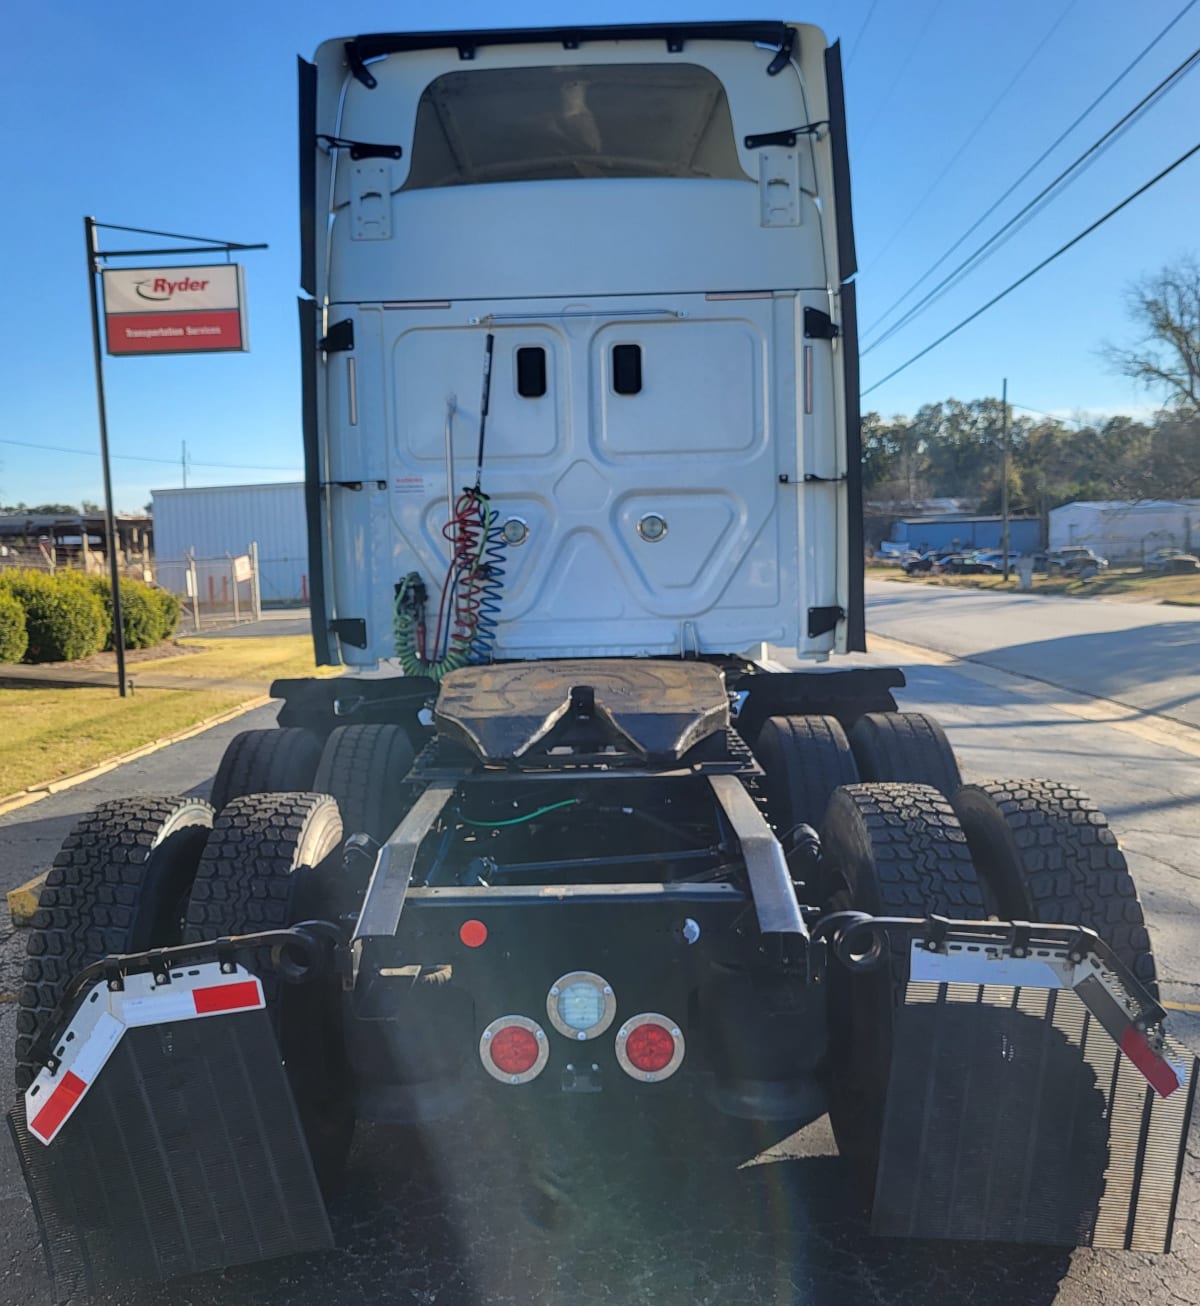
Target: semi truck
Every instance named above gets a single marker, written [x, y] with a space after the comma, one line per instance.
[581, 435]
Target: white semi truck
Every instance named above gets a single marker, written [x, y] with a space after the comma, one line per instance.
[581, 434]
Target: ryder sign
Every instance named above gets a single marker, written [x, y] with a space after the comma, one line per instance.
[175, 310]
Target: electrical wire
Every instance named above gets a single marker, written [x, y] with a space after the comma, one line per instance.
[143, 458]
[1020, 281]
[1041, 158]
[979, 126]
[520, 820]
[861, 32]
[903, 68]
[1025, 214]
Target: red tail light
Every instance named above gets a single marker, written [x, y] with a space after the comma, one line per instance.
[650, 1047]
[514, 1049]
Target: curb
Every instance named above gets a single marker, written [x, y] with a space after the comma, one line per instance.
[23, 900]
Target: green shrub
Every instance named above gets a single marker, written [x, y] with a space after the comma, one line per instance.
[148, 615]
[14, 638]
[64, 617]
[169, 610]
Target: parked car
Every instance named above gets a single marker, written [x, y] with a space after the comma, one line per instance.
[922, 563]
[993, 559]
[1171, 562]
[963, 564]
[1075, 560]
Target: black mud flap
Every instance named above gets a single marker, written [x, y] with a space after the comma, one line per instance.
[185, 1155]
[1012, 1115]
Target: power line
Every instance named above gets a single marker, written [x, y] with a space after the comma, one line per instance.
[1020, 281]
[979, 126]
[861, 30]
[1058, 140]
[1019, 218]
[901, 70]
[142, 458]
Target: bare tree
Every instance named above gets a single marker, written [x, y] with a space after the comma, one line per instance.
[1166, 305]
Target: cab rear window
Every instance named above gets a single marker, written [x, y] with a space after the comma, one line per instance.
[554, 123]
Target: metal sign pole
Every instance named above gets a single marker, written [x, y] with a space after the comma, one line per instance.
[110, 525]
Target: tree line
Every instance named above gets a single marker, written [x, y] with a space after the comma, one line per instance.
[954, 449]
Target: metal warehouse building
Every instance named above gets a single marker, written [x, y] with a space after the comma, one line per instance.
[960, 530]
[1125, 532]
[220, 520]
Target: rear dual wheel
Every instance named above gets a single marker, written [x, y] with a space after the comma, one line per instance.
[890, 850]
[266, 866]
[119, 883]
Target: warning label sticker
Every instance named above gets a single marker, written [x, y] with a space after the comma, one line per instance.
[408, 485]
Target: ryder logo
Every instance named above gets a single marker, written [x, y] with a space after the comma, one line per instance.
[162, 288]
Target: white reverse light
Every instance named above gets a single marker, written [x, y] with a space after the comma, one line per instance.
[581, 1005]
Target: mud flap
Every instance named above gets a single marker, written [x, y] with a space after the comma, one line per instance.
[1013, 1114]
[186, 1154]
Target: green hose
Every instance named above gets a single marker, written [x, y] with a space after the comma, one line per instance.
[404, 630]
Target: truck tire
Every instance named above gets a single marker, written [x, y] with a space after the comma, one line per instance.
[805, 759]
[260, 871]
[905, 748]
[364, 768]
[118, 884]
[891, 850]
[1045, 853]
[266, 762]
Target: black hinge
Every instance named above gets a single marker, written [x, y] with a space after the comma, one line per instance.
[785, 136]
[362, 149]
[819, 325]
[340, 337]
[822, 620]
[350, 630]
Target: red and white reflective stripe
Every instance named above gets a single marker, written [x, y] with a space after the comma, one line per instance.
[96, 1029]
[1159, 1073]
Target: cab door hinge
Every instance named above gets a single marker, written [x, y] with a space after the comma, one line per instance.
[819, 325]
[340, 337]
[822, 620]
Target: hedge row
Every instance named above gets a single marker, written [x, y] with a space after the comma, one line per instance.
[67, 616]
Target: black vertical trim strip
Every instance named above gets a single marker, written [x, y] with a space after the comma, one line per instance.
[314, 495]
[307, 75]
[856, 617]
[840, 150]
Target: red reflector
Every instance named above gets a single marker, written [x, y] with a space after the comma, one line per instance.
[473, 934]
[650, 1047]
[514, 1050]
[47, 1121]
[1158, 1073]
[226, 997]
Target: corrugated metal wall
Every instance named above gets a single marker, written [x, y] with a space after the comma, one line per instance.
[212, 521]
[1125, 533]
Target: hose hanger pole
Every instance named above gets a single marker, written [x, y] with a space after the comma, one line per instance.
[489, 349]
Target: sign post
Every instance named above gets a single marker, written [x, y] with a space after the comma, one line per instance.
[110, 525]
[174, 310]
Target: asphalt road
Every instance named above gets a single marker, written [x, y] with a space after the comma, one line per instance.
[668, 1210]
[1143, 654]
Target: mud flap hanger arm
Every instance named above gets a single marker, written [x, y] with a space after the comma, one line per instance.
[297, 955]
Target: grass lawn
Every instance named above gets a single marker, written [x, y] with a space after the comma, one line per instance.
[52, 732]
[1123, 586]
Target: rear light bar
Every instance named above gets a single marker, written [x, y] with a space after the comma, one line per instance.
[650, 1047]
[514, 1049]
[92, 1034]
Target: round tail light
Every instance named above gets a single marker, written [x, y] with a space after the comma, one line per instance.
[581, 1005]
[514, 1049]
[650, 1047]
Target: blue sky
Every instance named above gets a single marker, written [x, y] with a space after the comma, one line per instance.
[183, 119]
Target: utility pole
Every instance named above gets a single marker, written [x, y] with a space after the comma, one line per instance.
[1004, 481]
[183, 460]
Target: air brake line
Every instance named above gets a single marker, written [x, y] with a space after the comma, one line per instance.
[469, 602]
